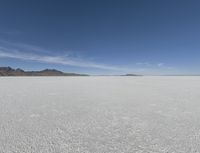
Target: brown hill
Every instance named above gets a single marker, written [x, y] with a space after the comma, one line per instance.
[8, 71]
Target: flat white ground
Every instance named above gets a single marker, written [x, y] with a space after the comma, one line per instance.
[99, 114]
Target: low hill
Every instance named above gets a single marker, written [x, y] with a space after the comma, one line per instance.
[8, 71]
[132, 75]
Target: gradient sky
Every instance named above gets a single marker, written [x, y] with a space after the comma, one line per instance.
[101, 36]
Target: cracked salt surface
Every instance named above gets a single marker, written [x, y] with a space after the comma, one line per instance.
[99, 114]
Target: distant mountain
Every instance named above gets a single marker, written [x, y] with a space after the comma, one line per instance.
[131, 75]
[8, 71]
[120, 75]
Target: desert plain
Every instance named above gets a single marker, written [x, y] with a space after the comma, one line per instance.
[149, 114]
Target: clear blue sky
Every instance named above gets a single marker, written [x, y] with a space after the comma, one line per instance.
[101, 36]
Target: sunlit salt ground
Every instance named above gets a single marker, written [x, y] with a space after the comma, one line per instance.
[99, 114]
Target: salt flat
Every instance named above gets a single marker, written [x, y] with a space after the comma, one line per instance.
[99, 114]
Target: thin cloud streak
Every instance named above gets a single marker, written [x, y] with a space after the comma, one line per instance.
[22, 46]
[146, 64]
[57, 60]
[160, 64]
[19, 51]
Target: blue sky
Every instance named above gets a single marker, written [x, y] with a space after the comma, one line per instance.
[101, 36]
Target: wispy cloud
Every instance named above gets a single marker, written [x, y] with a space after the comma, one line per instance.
[56, 60]
[155, 68]
[13, 46]
[160, 64]
[28, 52]
[152, 65]
[146, 64]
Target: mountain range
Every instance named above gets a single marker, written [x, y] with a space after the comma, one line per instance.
[8, 71]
